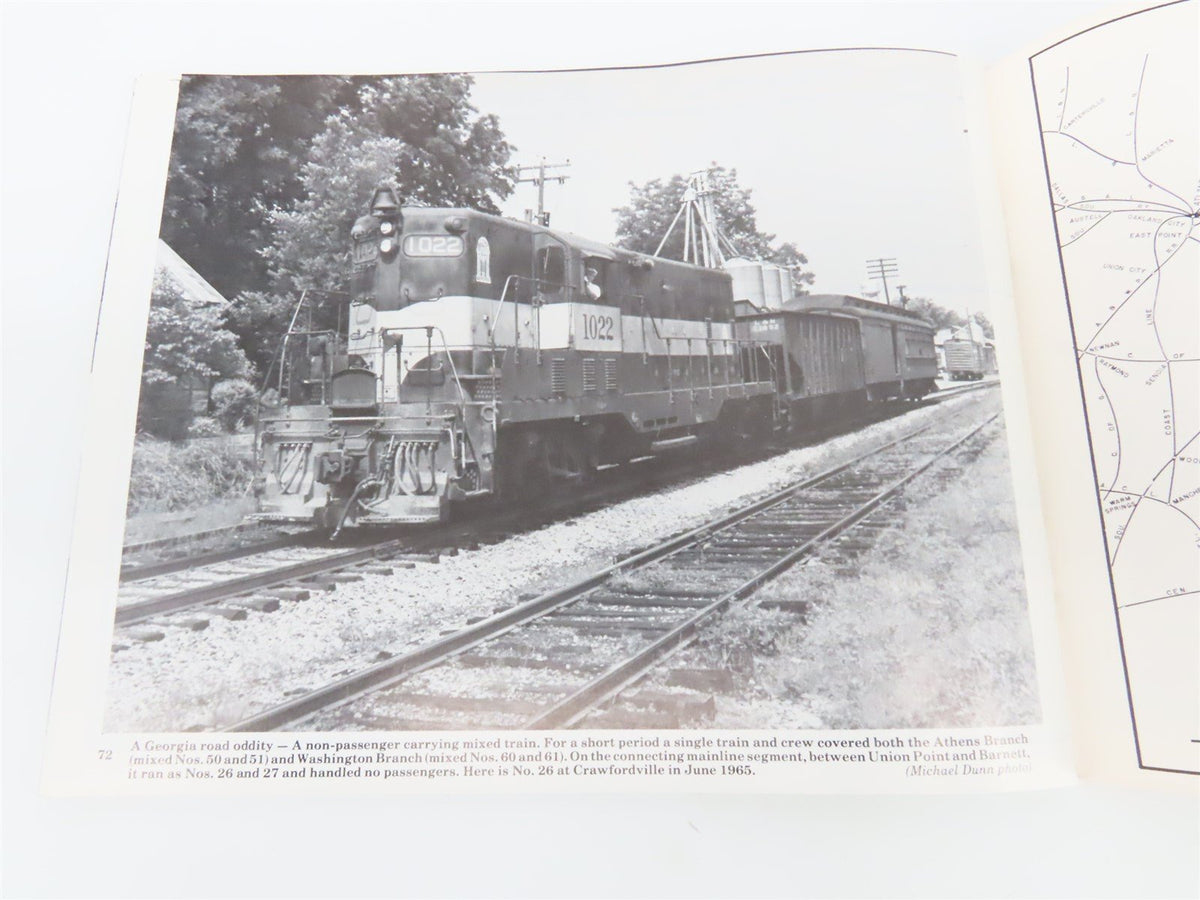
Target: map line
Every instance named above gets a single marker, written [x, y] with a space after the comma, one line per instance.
[1157, 269]
[1062, 114]
[1153, 599]
[1164, 207]
[1166, 503]
[1086, 230]
[1137, 105]
[1117, 546]
[1087, 146]
[1115, 421]
[1137, 359]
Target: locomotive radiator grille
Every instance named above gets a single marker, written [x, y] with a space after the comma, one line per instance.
[589, 376]
[558, 376]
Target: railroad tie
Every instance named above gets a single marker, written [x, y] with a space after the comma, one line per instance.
[258, 604]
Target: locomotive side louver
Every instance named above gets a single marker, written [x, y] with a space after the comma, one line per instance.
[558, 376]
[589, 375]
[610, 374]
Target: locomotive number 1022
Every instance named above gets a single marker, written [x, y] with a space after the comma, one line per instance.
[598, 328]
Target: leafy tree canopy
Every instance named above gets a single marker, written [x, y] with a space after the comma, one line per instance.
[187, 339]
[267, 175]
[942, 317]
[642, 223]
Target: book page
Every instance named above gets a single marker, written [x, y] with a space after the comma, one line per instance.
[864, 607]
[1102, 180]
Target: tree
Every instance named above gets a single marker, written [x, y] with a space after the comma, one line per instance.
[642, 223]
[941, 317]
[237, 149]
[789, 256]
[418, 133]
[187, 345]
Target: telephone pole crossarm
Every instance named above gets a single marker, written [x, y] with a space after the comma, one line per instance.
[539, 177]
[880, 269]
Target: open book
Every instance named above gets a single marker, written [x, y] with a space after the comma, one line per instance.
[507, 506]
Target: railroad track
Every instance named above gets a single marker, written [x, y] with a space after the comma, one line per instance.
[131, 572]
[163, 543]
[550, 661]
[235, 581]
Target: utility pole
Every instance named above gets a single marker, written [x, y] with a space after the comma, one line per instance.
[880, 269]
[540, 179]
[903, 299]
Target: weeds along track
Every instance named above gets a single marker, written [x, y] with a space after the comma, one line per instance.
[550, 661]
[231, 583]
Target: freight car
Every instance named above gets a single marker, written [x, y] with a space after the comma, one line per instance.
[478, 355]
[833, 354]
[969, 360]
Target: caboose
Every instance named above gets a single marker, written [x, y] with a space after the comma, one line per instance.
[478, 355]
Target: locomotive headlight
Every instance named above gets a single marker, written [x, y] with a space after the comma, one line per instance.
[386, 246]
[386, 227]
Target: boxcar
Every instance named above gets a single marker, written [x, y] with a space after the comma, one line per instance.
[897, 345]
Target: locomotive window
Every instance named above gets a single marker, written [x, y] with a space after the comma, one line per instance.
[595, 277]
[551, 269]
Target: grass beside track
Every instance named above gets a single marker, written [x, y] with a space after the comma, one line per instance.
[930, 629]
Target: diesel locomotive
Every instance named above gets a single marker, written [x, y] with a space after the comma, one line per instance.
[478, 355]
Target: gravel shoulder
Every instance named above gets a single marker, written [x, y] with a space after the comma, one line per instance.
[928, 628]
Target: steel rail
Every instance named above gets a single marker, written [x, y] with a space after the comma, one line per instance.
[158, 543]
[572, 709]
[140, 611]
[388, 672]
[131, 574]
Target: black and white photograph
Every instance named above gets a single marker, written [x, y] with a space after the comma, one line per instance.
[525, 449]
[639, 398]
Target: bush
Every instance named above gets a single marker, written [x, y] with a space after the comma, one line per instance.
[233, 403]
[168, 477]
[204, 426]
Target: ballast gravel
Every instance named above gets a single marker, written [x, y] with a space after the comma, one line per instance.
[202, 680]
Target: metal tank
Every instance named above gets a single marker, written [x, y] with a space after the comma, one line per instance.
[786, 292]
[747, 275]
[772, 295]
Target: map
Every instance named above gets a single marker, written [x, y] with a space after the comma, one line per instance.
[1118, 108]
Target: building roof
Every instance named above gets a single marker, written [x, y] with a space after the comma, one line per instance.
[169, 263]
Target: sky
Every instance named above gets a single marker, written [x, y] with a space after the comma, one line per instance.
[851, 155]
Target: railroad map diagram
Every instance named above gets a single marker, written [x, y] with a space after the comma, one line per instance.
[1119, 136]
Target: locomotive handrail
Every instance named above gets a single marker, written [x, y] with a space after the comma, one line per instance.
[429, 329]
[500, 305]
